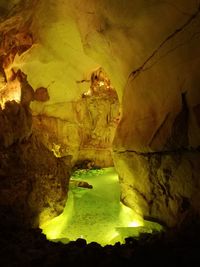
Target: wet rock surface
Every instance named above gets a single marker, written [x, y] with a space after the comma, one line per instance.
[80, 184]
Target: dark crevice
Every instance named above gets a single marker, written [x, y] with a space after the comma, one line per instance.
[139, 193]
[185, 205]
[189, 40]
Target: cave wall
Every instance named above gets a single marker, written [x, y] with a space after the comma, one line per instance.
[156, 147]
[83, 129]
[33, 182]
[64, 121]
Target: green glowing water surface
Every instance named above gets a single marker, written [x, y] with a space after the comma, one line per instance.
[96, 214]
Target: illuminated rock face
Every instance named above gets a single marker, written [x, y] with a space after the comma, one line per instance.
[162, 186]
[84, 128]
[156, 147]
[32, 180]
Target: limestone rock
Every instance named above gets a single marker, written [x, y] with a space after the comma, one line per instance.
[33, 181]
[160, 186]
[15, 123]
[157, 140]
[84, 128]
[161, 94]
[80, 184]
[41, 94]
[27, 92]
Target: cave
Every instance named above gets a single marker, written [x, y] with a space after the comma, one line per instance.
[100, 132]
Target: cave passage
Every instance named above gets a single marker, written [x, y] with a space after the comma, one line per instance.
[96, 214]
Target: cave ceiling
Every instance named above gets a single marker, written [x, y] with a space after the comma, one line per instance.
[72, 38]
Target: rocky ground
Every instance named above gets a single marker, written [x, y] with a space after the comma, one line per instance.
[23, 247]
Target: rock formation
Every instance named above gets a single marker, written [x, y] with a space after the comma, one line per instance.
[84, 128]
[156, 147]
[32, 180]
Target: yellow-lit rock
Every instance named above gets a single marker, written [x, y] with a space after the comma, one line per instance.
[84, 128]
[32, 180]
[156, 143]
[162, 187]
[41, 94]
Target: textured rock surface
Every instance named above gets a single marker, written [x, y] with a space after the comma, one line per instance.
[156, 143]
[160, 186]
[160, 99]
[32, 180]
[84, 128]
[41, 94]
[15, 124]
